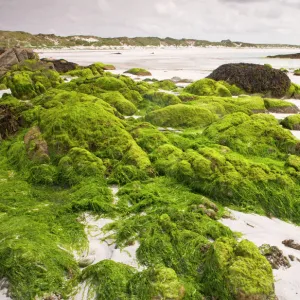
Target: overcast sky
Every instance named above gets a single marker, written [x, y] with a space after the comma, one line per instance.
[262, 21]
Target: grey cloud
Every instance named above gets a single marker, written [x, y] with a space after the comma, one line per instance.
[254, 21]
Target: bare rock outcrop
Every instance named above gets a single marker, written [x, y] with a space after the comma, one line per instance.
[12, 56]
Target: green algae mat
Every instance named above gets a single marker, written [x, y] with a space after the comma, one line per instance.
[63, 144]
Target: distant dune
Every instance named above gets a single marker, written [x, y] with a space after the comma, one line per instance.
[24, 39]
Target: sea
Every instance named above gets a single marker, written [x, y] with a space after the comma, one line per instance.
[184, 62]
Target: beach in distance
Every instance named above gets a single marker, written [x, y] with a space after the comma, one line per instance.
[187, 63]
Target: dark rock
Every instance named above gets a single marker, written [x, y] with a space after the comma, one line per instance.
[291, 244]
[254, 78]
[61, 65]
[292, 257]
[292, 56]
[36, 146]
[12, 56]
[274, 256]
[9, 123]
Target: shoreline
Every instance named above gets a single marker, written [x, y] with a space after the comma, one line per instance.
[104, 48]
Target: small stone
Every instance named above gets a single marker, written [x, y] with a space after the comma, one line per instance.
[292, 257]
[275, 256]
[85, 262]
[291, 244]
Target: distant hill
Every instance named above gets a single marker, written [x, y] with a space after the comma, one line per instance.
[25, 39]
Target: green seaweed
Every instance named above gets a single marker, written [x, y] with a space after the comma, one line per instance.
[117, 100]
[234, 270]
[208, 87]
[181, 115]
[138, 72]
[291, 122]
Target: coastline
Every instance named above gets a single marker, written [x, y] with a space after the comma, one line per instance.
[126, 47]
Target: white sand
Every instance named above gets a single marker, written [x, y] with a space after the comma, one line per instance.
[280, 116]
[296, 133]
[273, 232]
[3, 289]
[101, 247]
[134, 116]
[294, 101]
[2, 92]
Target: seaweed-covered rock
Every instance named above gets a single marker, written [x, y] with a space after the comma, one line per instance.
[227, 105]
[280, 106]
[110, 83]
[207, 87]
[28, 84]
[258, 134]
[80, 163]
[237, 271]
[36, 146]
[161, 99]
[166, 85]
[157, 283]
[181, 115]
[254, 78]
[43, 174]
[148, 137]
[117, 100]
[275, 256]
[61, 65]
[71, 119]
[81, 72]
[108, 280]
[294, 162]
[138, 72]
[32, 65]
[186, 97]
[229, 177]
[297, 72]
[294, 91]
[3, 86]
[291, 122]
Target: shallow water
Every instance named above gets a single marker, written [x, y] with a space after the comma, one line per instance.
[186, 63]
[262, 230]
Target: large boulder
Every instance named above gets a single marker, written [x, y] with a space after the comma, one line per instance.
[61, 65]
[12, 56]
[254, 78]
